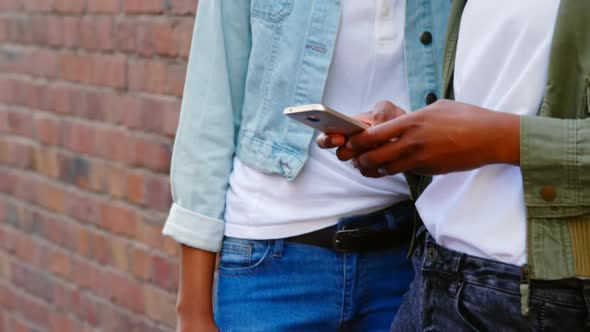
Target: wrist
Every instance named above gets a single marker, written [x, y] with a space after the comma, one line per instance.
[508, 145]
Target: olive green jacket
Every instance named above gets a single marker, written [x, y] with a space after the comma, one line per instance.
[554, 150]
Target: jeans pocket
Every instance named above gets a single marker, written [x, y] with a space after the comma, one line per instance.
[271, 10]
[484, 308]
[240, 256]
[463, 314]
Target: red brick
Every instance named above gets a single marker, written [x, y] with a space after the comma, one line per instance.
[143, 6]
[11, 5]
[82, 245]
[157, 193]
[175, 79]
[135, 187]
[5, 271]
[153, 155]
[117, 180]
[24, 188]
[141, 262]
[46, 162]
[126, 36]
[126, 292]
[118, 219]
[66, 296]
[114, 144]
[19, 30]
[26, 249]
[20, 123]
[102, 70]
[156, 38]
[51, 196]
[60, 263]
[78, 137]
[183, 33]
[16, 153]
[183, 7]
[103, 6]
[165, 272]
[149, 231]
[69, 6]
[160, 306]
[37, 311]
[71, 31]
[154, 113]
[35, 5]
[84, 207]
[148, 76]
[100, 248]
[89, 276]
[47, 129]
[7, 297]
[60, 322]
[120, 250]
[34, 281]
[3, 121]
[96, 33]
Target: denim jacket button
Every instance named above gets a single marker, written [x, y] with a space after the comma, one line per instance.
[286, 168]
[548, 193]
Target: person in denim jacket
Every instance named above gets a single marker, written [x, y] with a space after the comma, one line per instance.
[306, 243]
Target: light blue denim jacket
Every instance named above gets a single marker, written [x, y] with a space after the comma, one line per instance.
[249, 60]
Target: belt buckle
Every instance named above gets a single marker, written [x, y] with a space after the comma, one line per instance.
[342, 238]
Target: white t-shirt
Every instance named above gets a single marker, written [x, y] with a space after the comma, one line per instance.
[501, 64]
[367, 66]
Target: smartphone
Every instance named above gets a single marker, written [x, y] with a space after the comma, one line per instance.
[325, 119]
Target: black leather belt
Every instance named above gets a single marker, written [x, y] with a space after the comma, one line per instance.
[388, 228]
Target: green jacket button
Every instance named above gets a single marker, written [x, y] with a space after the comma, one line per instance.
[548, 193]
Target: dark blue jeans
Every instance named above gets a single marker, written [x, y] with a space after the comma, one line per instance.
[453, 291]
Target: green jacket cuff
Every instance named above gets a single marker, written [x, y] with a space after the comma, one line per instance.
[555, 164]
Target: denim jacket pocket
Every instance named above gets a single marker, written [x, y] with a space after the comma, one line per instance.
[243, 256]
[271, 10]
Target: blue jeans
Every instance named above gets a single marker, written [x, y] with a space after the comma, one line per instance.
[276, 285]
[453, 291]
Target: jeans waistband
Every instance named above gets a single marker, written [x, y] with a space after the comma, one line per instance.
[502, 276]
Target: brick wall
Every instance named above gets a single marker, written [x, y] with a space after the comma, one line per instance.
[89, 101]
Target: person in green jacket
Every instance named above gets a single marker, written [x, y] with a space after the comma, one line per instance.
[500, 175]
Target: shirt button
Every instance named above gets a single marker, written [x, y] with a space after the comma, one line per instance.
[548, 193]
[385, 11]
[430, 98]
[426, 38]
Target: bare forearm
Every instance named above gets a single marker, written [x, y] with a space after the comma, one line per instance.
[196, 282]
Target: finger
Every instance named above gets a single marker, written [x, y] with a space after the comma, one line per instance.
[382, 155]
[365, 118]
[371, 173]
[385, 111]
[378, 134]
[404, 164]
[345, 154]
[330, 141]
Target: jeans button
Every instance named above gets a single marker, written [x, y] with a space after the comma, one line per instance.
[431, 254]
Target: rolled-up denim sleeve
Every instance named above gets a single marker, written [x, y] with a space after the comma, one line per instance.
[205, 139]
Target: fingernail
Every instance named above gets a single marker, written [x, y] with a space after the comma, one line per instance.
[383, 171]
[355, 164]
[336, 140]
